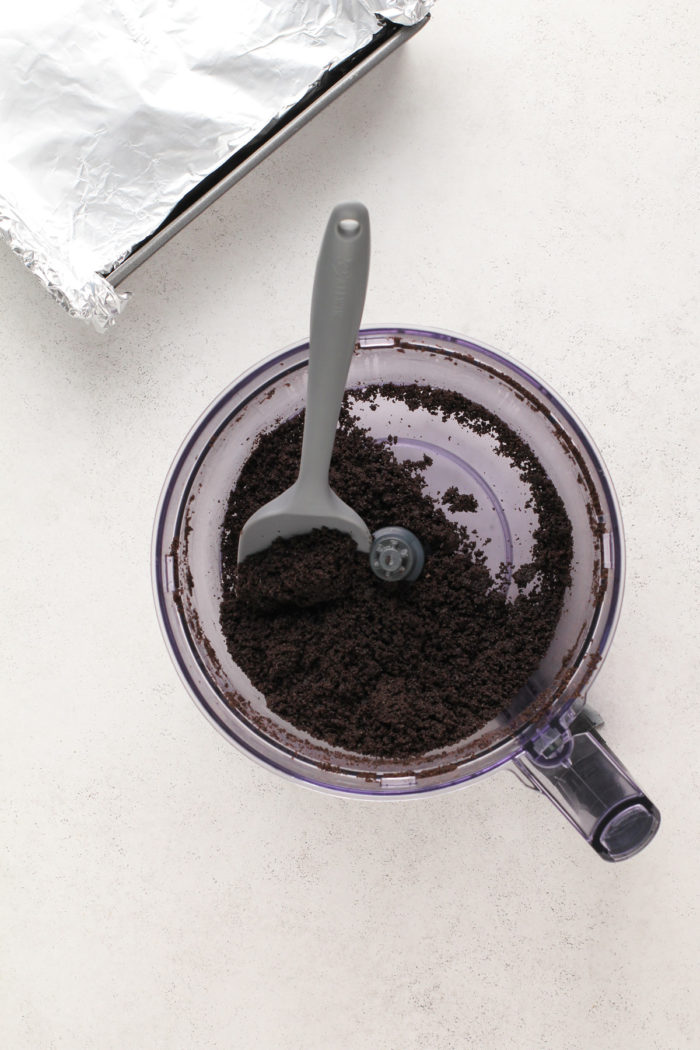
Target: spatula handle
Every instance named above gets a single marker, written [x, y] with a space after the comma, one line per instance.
[338, 298]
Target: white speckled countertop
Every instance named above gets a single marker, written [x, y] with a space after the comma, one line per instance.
[531, 172]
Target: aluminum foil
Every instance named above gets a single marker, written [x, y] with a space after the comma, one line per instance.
[112, 110]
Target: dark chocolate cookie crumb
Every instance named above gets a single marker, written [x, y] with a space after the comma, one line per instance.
[306, 570]
[389, 669]
[455, 500]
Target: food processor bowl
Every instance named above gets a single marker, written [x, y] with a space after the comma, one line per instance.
[546, 733]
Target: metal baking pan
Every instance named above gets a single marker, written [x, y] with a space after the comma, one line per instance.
[333, 84]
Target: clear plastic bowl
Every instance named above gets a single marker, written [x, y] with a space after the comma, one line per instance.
[544, 732]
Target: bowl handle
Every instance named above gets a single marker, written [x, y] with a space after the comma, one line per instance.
[572, 765]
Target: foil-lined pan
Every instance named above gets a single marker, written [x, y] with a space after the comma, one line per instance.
[120, 120]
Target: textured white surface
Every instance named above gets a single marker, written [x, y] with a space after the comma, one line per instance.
[531, 171]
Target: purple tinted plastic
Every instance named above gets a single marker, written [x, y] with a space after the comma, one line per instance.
[191, 660]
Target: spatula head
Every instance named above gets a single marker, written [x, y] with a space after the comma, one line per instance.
[289, 515]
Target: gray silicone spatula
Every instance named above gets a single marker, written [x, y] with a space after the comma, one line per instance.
[338, 297]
